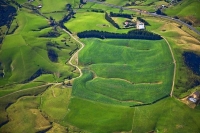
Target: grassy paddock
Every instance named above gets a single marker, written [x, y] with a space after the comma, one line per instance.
[171, 112]
[24, 112]
[187, 9]
[128, 71]
[93, 23]
[26, 40]
[55, 102]
[180, 39]
[98, 117]
[13, 98]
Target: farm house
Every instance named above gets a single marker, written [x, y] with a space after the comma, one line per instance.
[140, 25]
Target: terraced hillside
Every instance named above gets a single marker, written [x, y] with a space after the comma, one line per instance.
[124, 72]
[51, 82]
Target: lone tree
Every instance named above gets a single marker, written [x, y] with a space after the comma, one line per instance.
[83, 1]
[52, 21]
[121, 10]
[68, 7]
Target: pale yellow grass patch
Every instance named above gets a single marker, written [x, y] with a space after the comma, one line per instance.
[40, 122]
[182, 38]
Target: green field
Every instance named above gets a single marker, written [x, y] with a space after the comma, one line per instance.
[53, 100]
[124, 72]
[187, 9]
[97, 117]
[88, 21]
[147, 5]
[25, 61]
[125, 84]
[24, 51]
[24, 112]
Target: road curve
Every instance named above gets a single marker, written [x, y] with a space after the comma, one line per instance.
[152, 14]
[70, 62]
[73, 56]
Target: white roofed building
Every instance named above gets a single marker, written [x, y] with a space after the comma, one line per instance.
[140, 25]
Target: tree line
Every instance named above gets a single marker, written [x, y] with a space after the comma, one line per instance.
[133, 34]
[98, 10]
[67, 18]
[143, 21]
[123, 15]
[109, 19]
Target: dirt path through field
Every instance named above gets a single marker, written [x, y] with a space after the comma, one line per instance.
[174, 61]
[75, 55]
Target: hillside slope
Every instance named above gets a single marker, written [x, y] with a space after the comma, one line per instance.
[187, 10]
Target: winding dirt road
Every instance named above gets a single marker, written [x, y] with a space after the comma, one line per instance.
[76, 53]
[174, 61]
[70, 62]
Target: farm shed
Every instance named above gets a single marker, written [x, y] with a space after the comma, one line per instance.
[140, 25]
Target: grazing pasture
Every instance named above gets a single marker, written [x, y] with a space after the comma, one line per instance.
[24, 52]
[54, 102]
[97, 117]
[89, 21]
[168, 115]
[25, 65]
[125, 85]
[125, 72]
[24, 112]
[187, 9]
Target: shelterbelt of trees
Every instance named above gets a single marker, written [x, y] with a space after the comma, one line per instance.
[133, 34]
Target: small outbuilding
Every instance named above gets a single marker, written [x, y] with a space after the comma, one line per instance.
[40, 6]
[140, 25]
[195, 97]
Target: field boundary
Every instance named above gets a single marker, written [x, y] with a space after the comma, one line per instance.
[174, 61]
[29, 89]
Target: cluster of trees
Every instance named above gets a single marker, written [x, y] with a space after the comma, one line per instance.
[159, 11]
[143, 21]
[17, 4]
[83, 1]
[109, 19]
[130, 3]
[134, 34]
[37, 74]
[7, 13]
[52, 21]
[52, 54]
[53, 45]
[97, 10]
[67, 17]
[130, 16]
[187, 21]
[192, 60]
[1, 70]
[51, 34]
